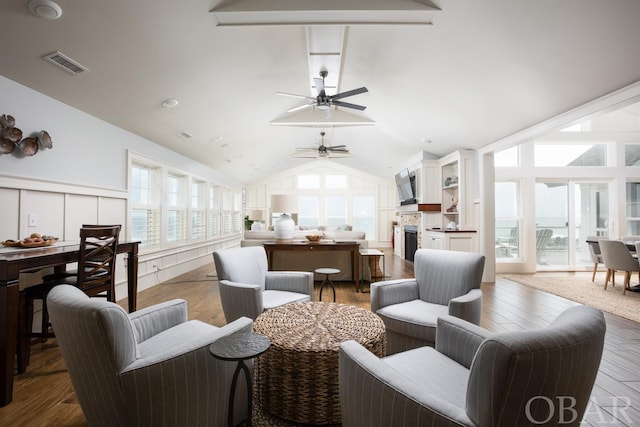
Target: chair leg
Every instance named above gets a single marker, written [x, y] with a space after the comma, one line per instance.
[595, 268]
[627, 280]
[606, 279]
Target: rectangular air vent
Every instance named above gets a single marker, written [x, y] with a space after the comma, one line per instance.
[184, 134]
[66, 63]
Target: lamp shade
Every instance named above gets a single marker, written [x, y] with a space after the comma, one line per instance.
[256, 215]
[284, 203]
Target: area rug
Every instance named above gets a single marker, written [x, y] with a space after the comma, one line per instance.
[584, 291]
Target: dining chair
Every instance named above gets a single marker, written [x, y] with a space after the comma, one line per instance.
[595, 253]
[94, 276]
[617, 257]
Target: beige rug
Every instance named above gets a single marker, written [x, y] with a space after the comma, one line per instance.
[582, 290]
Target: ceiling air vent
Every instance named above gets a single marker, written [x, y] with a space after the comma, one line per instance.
[66, 63]
[184, 134]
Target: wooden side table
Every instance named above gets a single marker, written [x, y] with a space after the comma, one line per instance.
[239, 347]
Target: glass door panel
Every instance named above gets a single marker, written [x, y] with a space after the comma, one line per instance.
[591, 202]
[552, 225]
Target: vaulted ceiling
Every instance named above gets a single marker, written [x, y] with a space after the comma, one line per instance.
[440, 75]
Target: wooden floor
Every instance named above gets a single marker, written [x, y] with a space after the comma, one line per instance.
[43, 395]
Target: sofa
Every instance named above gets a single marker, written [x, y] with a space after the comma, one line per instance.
[309, 261]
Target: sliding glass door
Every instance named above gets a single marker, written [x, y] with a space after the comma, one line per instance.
[566, 213]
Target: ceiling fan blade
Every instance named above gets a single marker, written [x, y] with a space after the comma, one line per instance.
[293, 95]
[348, 105]
[337, 147]
[299, 107]
[319, 86]
[339, 154]
[349, 93]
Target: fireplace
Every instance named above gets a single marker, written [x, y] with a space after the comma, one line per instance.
[410, 241]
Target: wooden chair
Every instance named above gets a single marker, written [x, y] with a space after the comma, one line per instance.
[94, 276]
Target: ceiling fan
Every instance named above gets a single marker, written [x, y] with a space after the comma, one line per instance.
[322, 151]
[322, 101]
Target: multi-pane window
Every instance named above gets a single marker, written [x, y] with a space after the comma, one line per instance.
[145, 206]
[176, 208]
[308, 181]
[335, 181]
[506, 158]
[632, 154]
[238, 223]
[227, 211]
[198, 211]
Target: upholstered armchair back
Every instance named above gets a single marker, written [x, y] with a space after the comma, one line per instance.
[109, 346]
[243, 265]
[444, 275]
[542, 371]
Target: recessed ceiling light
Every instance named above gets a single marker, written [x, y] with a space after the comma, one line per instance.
[45, 9]
[425, 140]
[226, 144]
[170, 103]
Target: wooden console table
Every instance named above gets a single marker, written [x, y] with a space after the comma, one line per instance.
[352, 247]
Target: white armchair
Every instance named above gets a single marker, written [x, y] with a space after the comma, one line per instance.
[445, 283]
[148, 368]
[475, 378]
[247, 288]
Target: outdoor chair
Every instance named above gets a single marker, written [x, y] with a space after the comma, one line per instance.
[247, 288]
[477, 378]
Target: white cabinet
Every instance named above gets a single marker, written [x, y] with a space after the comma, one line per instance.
[458, 169]
[464, 241]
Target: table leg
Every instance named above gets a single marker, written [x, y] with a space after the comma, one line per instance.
[8, 337]
[355, 262]
[234, 382]
[132, 278]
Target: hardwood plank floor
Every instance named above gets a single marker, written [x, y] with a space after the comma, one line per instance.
[43, 395]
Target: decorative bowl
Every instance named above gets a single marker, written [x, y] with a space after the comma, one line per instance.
[313, 237]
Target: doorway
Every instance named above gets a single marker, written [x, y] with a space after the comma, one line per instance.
[567, 211]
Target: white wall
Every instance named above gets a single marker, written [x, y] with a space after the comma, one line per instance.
[83, 179]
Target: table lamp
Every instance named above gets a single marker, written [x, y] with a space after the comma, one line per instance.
[284, 226]
[257, 216]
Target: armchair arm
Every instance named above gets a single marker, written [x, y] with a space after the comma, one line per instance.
[468, 306]
[458, 339]
[183, 382]
[367, 383]
[150, 321]
[391, 292]
[291, 281]
[240, 299]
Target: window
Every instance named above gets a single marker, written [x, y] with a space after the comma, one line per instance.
[145, 209]
[336, 208]
[214, 212]
[632, 154]
[560, 155]
[363, 214]
[176, 209]
[507, 220]
[308, 181]
[198, 212]
[308, 211]
[231, 211]
[506, 158]
[633, 208]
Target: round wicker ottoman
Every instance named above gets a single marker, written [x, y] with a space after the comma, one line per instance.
[297, 378]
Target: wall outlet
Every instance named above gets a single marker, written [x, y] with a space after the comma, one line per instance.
[33, 219]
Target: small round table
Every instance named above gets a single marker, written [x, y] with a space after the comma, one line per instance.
[239, 347]
[327, 272]
[297, 379]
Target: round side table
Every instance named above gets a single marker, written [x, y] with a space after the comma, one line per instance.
[327, 280]
[239, 347]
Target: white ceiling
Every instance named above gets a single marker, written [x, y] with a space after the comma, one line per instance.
[483, 70]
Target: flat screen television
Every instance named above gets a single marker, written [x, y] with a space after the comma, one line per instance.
[405, 184]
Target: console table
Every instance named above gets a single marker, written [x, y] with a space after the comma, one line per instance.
[352, 247]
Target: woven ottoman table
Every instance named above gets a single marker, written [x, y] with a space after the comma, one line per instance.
[297, 378]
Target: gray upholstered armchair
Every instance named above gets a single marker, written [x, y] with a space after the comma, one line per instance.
[446, 282]
[247, 288]
[148, 368]
[475, 378]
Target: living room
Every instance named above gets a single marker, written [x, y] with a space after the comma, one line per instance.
[88, 174]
